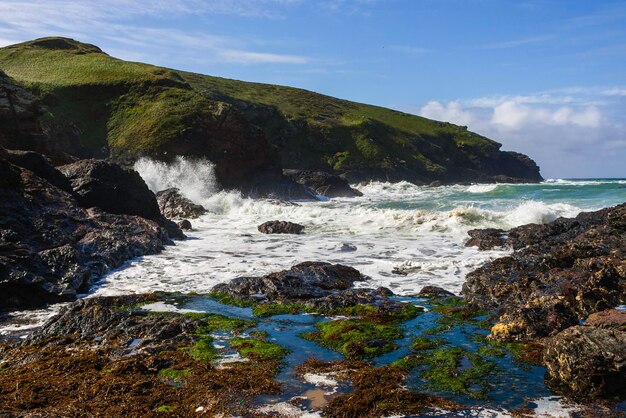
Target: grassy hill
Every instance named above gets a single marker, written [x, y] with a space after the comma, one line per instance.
[94, 104]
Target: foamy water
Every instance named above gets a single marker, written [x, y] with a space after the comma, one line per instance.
[400, 235]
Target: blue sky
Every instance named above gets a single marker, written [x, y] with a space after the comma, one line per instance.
[547, 78]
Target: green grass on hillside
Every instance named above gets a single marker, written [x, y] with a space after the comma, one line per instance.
[107, 102]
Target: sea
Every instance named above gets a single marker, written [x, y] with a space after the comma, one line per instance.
[400, 235]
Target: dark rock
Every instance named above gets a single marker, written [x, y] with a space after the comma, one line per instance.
[110, 318]
[609, 319]
[539, 318]
[323, 183]
[173, 205]
[303, 281]
[184, 225]
[580, 261]
[347, 247]
[435, 291]
[51, 248]
[587, 362]
[486, 239]
[280, 227]
[41, 166]
[111, 188]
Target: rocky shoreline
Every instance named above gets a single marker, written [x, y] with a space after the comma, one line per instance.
[549, 307]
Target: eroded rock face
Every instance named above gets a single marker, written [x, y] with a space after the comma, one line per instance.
[174, 205]
[323, 183]
[280, 227]
[588, 362]
[51, 248]
[581, 262]
[112, 188]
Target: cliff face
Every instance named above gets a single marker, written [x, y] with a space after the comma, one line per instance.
[93, 105]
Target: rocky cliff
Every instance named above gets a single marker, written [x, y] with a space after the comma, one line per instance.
[68, 97]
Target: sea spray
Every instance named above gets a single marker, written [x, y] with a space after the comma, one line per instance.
[195, 178]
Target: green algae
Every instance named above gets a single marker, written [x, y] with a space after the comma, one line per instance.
[165, 409]
[356, 338]
[226, 299]
[258, 349]
[492, 351]
[264, 310]
[203, 350]
[459, 371]
[174, 375]
[425, 343]
[214, 322]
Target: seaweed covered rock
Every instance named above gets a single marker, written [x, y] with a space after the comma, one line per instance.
[435, 291]
[588, 362]
[51, 248]
[323, 183]
[174, 205]
[580, 261]
[111, 188]
[280, 227]
[128, 362]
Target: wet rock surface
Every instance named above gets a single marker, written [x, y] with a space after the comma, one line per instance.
[323, 183]
[280, 227]
[580, 261]
[51, 248]
[609, 319]
[303, 281]
[112, 188]
[588, 362]
[435, 291]
[174, 205]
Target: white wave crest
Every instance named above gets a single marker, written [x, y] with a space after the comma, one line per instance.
[195, 178]
[482, 188]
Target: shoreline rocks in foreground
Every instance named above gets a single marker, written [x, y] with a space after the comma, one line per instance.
[560, 274]
[55, 237]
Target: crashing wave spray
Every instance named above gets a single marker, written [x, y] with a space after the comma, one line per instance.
[195, 178]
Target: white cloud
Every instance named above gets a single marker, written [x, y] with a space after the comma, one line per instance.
[513, 115]
[451, 112]
[563, 132]
[247, 57]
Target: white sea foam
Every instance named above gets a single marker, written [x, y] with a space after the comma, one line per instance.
[482, 188]
[416, 231]
[194, 178]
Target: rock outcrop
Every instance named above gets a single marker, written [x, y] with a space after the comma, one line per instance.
[112, 188]
[588, 362]
[569, 268]
[280, 227]
[302, 281]
[51, 248]
[323, 183]
[174, 205]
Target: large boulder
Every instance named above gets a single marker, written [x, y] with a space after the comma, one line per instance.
[323, 183]
[303, 281]
[588, 362]
[280, 227]
[174, 205]
[51, 248]
[112, 188]
[609, 319]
